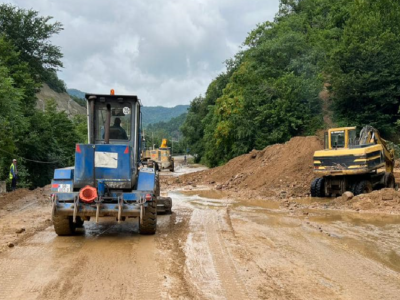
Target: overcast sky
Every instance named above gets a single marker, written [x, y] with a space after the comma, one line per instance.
[164, 51]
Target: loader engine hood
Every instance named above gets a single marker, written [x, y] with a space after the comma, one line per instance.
[110, 163]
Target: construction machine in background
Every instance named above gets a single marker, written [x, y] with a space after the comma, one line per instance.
[108, 179]
[162, 156]
[352, 164]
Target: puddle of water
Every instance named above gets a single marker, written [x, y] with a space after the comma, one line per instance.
[210, 194]
[269, 204]
[353, 218]
[310, 200]
[354, 228]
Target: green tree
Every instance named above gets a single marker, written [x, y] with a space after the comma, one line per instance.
[31, 34]
[365, 71]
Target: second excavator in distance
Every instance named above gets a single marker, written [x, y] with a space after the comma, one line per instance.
[352, 164]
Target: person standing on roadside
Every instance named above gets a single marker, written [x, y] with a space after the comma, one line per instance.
[13, 174]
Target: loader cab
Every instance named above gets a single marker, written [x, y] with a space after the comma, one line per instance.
[344, 137]
[114, 120]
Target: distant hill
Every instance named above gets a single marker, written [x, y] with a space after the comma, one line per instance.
[151, 114]
[76, 93]
[156, 114]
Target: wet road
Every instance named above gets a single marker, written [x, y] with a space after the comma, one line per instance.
[213, 248]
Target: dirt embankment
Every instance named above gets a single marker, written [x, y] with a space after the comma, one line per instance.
[22, 214]
[282, 172]
[281, 169]
[385, 200]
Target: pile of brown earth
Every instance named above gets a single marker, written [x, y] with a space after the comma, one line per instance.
[278, 170]
[385, 200]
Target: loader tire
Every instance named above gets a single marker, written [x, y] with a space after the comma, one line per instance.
[148, 224]
[63, 226]
[157, 190]
[320, 187]
[363, 187]
[389, 180]
[79, 222]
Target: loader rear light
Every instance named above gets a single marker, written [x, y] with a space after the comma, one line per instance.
[88, 194]
[126, 150]
[148, 197]
[78, 149]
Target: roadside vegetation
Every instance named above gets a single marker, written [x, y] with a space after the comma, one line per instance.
[270, 89]
[40, 140]
[170, 130]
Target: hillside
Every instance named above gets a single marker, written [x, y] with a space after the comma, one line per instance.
[76, 93]
[63, 100]
[156, 114]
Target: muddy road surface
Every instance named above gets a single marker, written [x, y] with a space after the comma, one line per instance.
[211, 247]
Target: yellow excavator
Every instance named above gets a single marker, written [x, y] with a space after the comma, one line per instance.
[352, 164]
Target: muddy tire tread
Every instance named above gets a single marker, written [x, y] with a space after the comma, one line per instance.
[63, 226]
[149, 223]
[313, 189]
[361, 186]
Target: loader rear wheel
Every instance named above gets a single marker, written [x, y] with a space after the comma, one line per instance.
[79, 222]
[148, 224]
[63, 226]
[389, 180]
[157, 191]
[363, 187]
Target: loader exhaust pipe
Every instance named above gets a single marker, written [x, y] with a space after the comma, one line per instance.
[107, 125]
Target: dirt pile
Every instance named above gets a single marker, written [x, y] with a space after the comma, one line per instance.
[12, 197]
[22, 214]
[385, 200]
[281, 169]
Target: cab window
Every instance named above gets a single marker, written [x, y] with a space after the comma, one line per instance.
[338, 139]
[352, 137]
[120, 127]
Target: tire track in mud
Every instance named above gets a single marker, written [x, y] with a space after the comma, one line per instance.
[172, 237]
[118, 263]
[209, 259]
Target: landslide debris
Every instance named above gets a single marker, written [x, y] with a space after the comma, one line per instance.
[385, 200]
[278, 170]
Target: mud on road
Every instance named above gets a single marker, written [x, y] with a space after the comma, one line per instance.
[211, 247]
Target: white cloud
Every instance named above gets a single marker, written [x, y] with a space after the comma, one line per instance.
[166, 52]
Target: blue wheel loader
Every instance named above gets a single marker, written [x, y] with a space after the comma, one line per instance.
[108, 179]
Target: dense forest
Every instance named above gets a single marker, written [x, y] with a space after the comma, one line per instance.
[271, 89]
[39, 140]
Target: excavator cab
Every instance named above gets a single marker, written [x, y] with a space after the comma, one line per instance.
[345, 137]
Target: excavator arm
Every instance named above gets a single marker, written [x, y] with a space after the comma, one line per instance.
[370, 135]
